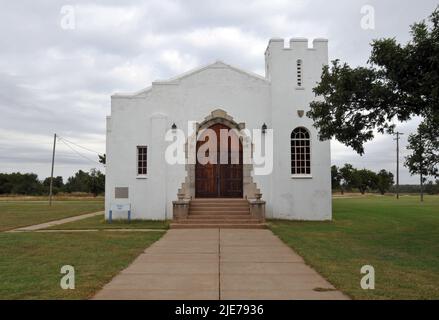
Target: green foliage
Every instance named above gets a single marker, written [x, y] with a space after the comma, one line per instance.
[102, 158]
[384, 181]
[90, 182]
[335, 177]
[96, 182]
[365, 179]
[18, 183]
[400, 82]
[432, 187]
[348, 178]
[78, 183]
[58, 184]
[354, 104]
[28, 183]
[424, 145]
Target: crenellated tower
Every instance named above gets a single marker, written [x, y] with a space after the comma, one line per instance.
[293, 71]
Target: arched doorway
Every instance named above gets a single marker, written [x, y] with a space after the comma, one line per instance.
[220, 179]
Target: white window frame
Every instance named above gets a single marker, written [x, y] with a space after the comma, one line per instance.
[301, 146]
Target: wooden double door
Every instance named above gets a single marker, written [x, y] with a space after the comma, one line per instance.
[220, 178]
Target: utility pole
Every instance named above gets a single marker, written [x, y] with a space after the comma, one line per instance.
[397, 162]
[420, 166]
[51, 174]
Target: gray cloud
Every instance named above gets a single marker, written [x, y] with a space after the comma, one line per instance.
[56, 80]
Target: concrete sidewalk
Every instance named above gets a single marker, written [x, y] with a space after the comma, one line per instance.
[219, 264]
[46, 225]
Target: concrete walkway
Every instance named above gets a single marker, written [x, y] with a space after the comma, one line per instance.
[46, 225]
[219, 264]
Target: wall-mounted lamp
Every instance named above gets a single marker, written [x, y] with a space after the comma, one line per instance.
[174, 126]
[264, 128]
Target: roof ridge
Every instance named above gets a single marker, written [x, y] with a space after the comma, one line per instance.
[192, 72]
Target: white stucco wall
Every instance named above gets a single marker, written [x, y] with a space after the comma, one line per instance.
[306, 198]
[144, 117]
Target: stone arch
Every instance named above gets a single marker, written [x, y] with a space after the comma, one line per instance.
[187, 190]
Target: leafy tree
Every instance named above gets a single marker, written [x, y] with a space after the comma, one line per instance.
[400, 82]
[5, 184]
[96, 182]
[28, 183]
[335, 177]
[78, 183]
[19, 183]
[102, 158]
[90, 182]
[364, 180]
[347, 177]
[58, 184]
[424, 158]
[431, 187]
[384, 181]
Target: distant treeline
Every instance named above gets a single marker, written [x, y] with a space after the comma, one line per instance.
[430, 188]
[348, 178]
[28, 183]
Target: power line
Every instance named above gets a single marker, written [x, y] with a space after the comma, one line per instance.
[90, 150]
[65, 141]
[78, 153]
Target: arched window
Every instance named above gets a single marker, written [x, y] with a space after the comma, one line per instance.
[299, 72]
[300, 152]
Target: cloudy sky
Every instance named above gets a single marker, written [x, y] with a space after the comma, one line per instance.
[56, 76]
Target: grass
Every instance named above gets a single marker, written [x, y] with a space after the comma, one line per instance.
[30, 263]
[98, 222]
[15, 214]
[56, 197]
[399, 238]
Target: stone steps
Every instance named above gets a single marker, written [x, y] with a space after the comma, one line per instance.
[208, 216]
[218, 225]
[218, 213]
[202, 221]
[220, 205]
[219, 208]
[222, 212]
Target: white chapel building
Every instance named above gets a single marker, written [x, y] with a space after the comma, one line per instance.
[223, 97]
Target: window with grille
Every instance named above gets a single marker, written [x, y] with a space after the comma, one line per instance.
[300, 152]
[299, 73]
[142, 160]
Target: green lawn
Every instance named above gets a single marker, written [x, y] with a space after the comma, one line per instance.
[98, 222]
[30, 263]
[15, 214]
[399, 238]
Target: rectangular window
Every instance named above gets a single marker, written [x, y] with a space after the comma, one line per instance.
[299, 72]
[142, 160]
